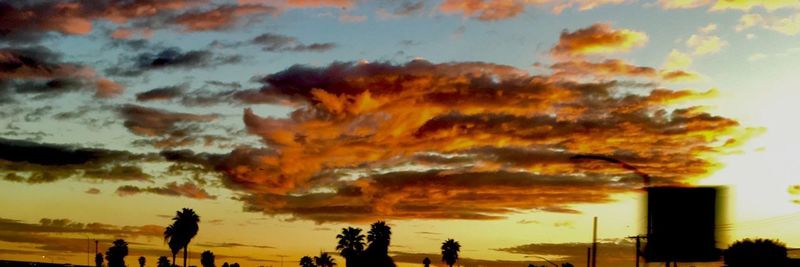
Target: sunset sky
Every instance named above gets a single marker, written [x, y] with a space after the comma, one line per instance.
[282, 121]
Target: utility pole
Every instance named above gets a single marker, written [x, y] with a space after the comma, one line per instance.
[589, 257]
[594, 244]
[638, 246]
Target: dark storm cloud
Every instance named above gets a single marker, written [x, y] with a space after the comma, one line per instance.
[273, 42]
[164, 128]
[171, 58]
[174, 58]
[63, 226]
[50, 88]
[132, 45]
[39, 71]
[174, 189]
[24, 161]
[228, 85]
[57, 155]
[438, 195]
[276, 42]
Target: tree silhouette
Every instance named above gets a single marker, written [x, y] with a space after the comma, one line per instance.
[115, 255]
[184, 227]
[141, 261]
[759, 252]
[324, 260]
[567, 265]
[531, 265]
[163, 261]
[225, 264]
[98, 260]
[235, 264]
[379, 238]
[450, 249]
[426, 262]
[307, 261]
[207, 259]
[351, 245]
[173, 239]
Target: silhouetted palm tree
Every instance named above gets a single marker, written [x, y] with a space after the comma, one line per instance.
[163, 261]
[450, 249]
[324, 260]
[141, 261]
[351, 245]
[115, 255]
[189, 221]
[759, 252]
[307, 261]
[98, 260]
[173, 239]
[184, 227]
[377, 253]
[426, 262]
[379, 236]
[207, 259]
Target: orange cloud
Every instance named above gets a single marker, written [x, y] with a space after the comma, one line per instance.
[127, 33]
[615, 69]
[221, 17]
[107, 88]
[679, 76]
[468, 140]
[25, 21]
[303, 3]
[484, 9]
[597, 39]
[490, 10]
[609, 68]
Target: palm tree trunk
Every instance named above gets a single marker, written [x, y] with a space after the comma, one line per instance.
[173, 258]
[185, 254]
